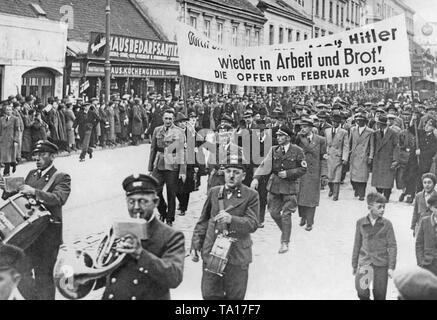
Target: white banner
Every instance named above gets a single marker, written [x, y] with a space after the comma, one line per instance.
[375, 51]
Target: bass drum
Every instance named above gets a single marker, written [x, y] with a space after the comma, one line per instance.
[22, 221]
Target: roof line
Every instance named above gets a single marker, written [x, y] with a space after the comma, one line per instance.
[160, 33]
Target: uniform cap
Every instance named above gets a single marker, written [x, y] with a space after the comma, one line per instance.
[416, 284]
[140, 183]
[45, 146]
[284, 131]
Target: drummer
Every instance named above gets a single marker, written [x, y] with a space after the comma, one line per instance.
[240, 215]
[11, 267]
[51, 188]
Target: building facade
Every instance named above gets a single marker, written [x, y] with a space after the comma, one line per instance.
[378, 10]
[32, 56]
[227, 22]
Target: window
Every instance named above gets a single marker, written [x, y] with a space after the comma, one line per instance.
[193, 22]
[207, 29]
[281, 34]
[247, 38]
[342, 16]
[316, 32]
[234, 36]
[384, 10]
[378, 9]
[297, 36]
[347, 10]
[220, 33]
[357, 14]
[305, 36]
[323, 9]
[323, 32]
[290, 35]
[271, 34]
[317, 8]
[352, 12]
[257, 38]
[337, 14]
[331, 5]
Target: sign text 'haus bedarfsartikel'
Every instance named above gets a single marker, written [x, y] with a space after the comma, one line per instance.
[132, 49]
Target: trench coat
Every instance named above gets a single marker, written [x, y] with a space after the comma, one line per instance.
[138, 120]
[386, 153]
[338, 151]
[361, 150]
[315, 155]
[9, 137]
[26, 144]
[69, 123]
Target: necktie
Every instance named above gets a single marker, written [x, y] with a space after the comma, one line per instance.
[38, 174]
[283, 150]
[382, 133]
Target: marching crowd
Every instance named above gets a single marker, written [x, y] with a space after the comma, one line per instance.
[304, 142]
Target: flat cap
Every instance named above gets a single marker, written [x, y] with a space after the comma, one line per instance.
[224, 127]
[416, 284]
[306, 122]
[140, 183]
[11, 257]
[45, 146]
[180, 117]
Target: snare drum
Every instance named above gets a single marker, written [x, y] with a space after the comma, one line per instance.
[22, 221]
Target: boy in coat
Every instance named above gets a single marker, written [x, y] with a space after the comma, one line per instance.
[421, 208]
[374, 252]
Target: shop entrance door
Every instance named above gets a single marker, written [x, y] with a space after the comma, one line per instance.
[38, 82]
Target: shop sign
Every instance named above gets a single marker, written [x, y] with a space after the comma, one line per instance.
[132, 49]
[124, 71]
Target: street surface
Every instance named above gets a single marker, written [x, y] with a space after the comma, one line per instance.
[318, 265]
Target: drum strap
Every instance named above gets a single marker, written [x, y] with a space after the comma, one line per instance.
[50, 182]
[220, 198]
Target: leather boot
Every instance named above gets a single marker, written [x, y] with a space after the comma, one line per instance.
[284, 247]
[336, 191]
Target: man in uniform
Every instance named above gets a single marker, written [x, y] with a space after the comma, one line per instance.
[167, 165]
[86, 120]
[286, 164]
[11, 268]
[153, 265]
[52, 189]
[230, 209]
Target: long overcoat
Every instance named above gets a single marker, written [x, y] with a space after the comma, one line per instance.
[315, 155]
[386, 152]
[361, 149]
[337, 151]
[9, 137]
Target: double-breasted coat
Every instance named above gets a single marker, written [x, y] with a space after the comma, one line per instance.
[159, 268]
[315, 155]
[386, 153]
[361, 150]
[337, 152]
[9, 138]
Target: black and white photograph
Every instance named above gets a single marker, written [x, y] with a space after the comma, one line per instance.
[224, 150]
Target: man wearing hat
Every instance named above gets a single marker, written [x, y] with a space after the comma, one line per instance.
[430, 113]
[86, 120]
[12, 261]
[337, 140]
[285, 163]
[323, 124]
[386, 157]
[10, 127]
[167, 165]
[314, 148]
[230, 209]
[154, 264]
[361, 155]
[51, 188]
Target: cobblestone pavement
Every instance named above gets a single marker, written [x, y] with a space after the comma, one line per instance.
[318, 265]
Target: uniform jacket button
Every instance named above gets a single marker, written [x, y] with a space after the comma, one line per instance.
[135, 281]
[146, 271]
[113, 280]
[133, 298]
[111, 296]
[141, 269]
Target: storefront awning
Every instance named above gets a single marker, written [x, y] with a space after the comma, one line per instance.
[75, 48]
